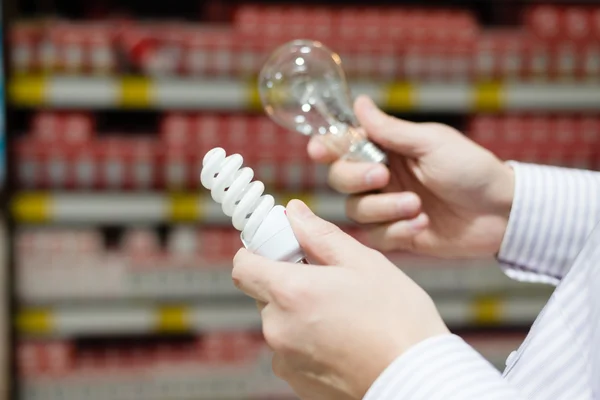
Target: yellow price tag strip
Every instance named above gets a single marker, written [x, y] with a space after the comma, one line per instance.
[400, 97]
[28, 90]
[489, 97]
[32, 207]
[184, 207]
[173, 319]
[254, 102]
[35, 321]
[136, 92]
[307, 198]
[487, 310]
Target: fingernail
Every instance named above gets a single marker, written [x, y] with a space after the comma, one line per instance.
[297, 209]
[369, 104]
[316, 150]
[373, 112]
[374, 175]
[418, 223]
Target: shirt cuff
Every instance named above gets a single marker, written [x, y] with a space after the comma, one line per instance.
[552, 213]
[441, 368]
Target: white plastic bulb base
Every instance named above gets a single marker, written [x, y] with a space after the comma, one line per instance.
[275, 240]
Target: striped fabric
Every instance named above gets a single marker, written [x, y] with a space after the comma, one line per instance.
[553, 237]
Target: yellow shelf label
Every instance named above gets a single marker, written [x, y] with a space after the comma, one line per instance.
[254, 101]
[27, 90]
[184, 207]
[307, 198]
[136, 92]
[35, 321]
[400, 97]
[489, 97]
[487, 310]
[173, 319]
[32, 207]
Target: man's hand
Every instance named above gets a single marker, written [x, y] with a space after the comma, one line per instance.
[336, 325]
[442, 194]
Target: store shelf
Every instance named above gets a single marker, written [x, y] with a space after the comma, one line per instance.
[148, 208]
[201, 381]
[105, 319]
[230, 94]
[112, 278]
[194, 384]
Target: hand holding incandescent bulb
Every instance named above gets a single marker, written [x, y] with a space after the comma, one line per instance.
[303, 88]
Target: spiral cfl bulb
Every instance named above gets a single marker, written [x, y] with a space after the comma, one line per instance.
[264, 226]
[303, 88]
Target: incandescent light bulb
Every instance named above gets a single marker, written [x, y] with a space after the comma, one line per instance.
[303, 88]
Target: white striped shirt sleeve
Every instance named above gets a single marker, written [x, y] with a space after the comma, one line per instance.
[554, 211]
[441, 368]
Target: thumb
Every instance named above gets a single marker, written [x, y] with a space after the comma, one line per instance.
[323, 242]
[404, 137]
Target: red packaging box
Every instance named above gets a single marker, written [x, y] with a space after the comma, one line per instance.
[55, 128]
[23, 41]
[142, 165]
[138, 43]
[414, 63]
[209, 131]
[84, 167]
[71, 47]
[102, 54]
[567, 60]
[176, 130]
[30, 162]
[154, 49]
[591, 59]
[538, 58]
[546, 21]
[595, 22]
[112, 153]
[52, 359]
[577, 22]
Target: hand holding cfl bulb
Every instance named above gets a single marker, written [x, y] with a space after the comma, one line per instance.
[303, 88]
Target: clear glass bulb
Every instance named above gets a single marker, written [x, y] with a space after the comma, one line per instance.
[303, 88]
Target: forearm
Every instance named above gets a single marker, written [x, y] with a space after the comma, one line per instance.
[440, 368]
[553, 212]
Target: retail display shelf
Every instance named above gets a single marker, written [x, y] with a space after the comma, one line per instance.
[117, 278]
[229, 94]
[148, 208]
[126, 375]
[71, 320]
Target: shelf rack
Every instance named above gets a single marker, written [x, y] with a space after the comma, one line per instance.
[224, 94]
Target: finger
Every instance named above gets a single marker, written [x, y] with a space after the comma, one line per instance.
[399, 235]
[357, 177]
[256, 276]
[319, 152]
[404, 137]
[322, 241]
[378, 208]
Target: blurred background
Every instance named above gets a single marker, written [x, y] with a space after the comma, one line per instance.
[120, 266]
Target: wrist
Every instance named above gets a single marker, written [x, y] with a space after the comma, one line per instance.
[503, 192]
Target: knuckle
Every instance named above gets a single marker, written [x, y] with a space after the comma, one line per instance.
[339, 181]
[377, 241]
[275, 336]
[291, 292]
[352, 210]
